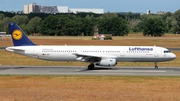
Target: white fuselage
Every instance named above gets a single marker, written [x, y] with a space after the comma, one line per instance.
[73, 53]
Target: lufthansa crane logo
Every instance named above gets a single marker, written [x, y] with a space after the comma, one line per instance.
[17, 34]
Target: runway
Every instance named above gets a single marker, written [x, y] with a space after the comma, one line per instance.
[77, 70]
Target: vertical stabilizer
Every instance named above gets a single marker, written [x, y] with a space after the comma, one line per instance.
[18, 36]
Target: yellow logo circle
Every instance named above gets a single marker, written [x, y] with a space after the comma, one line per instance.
[17, 34]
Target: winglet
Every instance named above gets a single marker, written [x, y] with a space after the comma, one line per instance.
[18, 36]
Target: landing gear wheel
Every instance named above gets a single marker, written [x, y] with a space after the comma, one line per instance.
[91, 66]
[156, 66]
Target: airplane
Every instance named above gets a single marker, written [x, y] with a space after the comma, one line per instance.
[107, 56]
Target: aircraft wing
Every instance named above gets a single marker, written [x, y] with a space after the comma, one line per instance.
[91, 57]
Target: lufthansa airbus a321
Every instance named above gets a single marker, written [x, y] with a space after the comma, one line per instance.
[95, 55]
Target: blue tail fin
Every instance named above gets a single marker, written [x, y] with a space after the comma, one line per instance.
[18, 36]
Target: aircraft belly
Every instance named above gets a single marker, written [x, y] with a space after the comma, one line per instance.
[66, 58]
[62, 57]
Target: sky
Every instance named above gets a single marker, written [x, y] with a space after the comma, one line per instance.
[140, 6]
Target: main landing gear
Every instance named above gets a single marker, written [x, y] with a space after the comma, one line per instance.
[91, 66]
[156, 66]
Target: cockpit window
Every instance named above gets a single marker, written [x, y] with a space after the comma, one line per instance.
[167, 51]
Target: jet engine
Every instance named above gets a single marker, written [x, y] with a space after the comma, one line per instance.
[107, 62]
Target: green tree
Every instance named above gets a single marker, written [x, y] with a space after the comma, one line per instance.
[5, 22]
[70, 28]
[169, 25]
[2, 16]
[176, 15]
[68, 25]
[133, 24]
[34, 25]
[115, 26]
[109, 15]
[154, 27]
[87, 26]
[49, 25]
[62, 20]
[20, 19]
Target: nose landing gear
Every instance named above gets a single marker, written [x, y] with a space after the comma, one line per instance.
[156, 66]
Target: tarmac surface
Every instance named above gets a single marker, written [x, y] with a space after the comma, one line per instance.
[98, 71]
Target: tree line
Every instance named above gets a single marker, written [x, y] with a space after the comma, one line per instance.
[83, 24]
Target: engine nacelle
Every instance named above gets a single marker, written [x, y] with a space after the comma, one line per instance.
[107, 62]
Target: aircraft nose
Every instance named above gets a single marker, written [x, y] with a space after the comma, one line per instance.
[173, 56]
